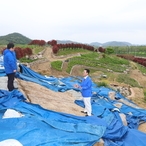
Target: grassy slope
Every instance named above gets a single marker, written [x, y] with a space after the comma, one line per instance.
[111, 66]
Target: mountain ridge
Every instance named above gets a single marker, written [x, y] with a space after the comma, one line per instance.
[15, 38]
[96, 44]
[18, 38]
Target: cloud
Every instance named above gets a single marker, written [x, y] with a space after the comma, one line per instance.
[85, 21]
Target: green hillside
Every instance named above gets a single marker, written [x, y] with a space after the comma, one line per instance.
[16, 38]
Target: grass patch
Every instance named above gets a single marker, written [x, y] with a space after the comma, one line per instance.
[57, 65]
[144, 92]
[141, 68]
[98, 61]
[101, 84]
[24, 59]
[123, 78]
[114, 60]
[111, 76]
[67, 51]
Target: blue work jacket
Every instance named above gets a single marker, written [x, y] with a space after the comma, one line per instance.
[86, 87]
[10, 61]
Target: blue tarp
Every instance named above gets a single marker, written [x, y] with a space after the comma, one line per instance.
[47, 128]
[2, 71]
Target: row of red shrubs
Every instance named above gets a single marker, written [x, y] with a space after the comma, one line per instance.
[56, 47]
[20, 53]
[138, 60]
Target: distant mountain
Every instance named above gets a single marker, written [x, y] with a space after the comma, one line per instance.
[112, 43]
[15, 38]
[115, 43]
[66, 42]
[18, 38]
[95, 44]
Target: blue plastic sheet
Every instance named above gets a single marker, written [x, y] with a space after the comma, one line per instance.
[49, 82]
[45, 127]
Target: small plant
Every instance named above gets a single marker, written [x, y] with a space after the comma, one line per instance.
[67, 51]
[141, 68]
[100, 84]
[57, 65]
[109, 50]
[100, 49]
[122, 78]
[144, 92]
[25, 60]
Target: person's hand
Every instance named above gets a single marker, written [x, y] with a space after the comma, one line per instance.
[14, 70]
[77, 86]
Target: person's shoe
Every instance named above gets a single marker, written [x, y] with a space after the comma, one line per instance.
[86, 115]
[83, 112]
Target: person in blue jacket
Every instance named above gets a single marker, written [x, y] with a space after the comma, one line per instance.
[10, 65]
[86, 91]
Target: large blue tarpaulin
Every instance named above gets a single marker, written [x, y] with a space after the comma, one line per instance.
[44, 127]
[2, 71]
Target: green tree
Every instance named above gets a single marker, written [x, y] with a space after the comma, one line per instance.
[109, 50]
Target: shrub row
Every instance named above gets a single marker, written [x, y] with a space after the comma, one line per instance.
[138, 60]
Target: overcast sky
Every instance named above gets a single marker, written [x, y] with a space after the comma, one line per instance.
[83, 21]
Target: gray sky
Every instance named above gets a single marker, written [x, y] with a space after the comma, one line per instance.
[83, 21]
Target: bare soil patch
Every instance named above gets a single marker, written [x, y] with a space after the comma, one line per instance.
[56, 101]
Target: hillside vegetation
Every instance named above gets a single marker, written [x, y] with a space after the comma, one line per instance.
[115, 68]
[106, 70]
[16, 38]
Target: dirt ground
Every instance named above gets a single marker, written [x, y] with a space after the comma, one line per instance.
[64, 102]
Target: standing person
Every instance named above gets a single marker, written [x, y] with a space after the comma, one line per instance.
[86, 91]
[10, 65]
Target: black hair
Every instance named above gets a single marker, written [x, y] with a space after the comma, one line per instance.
[87, 70]
[10, 45]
